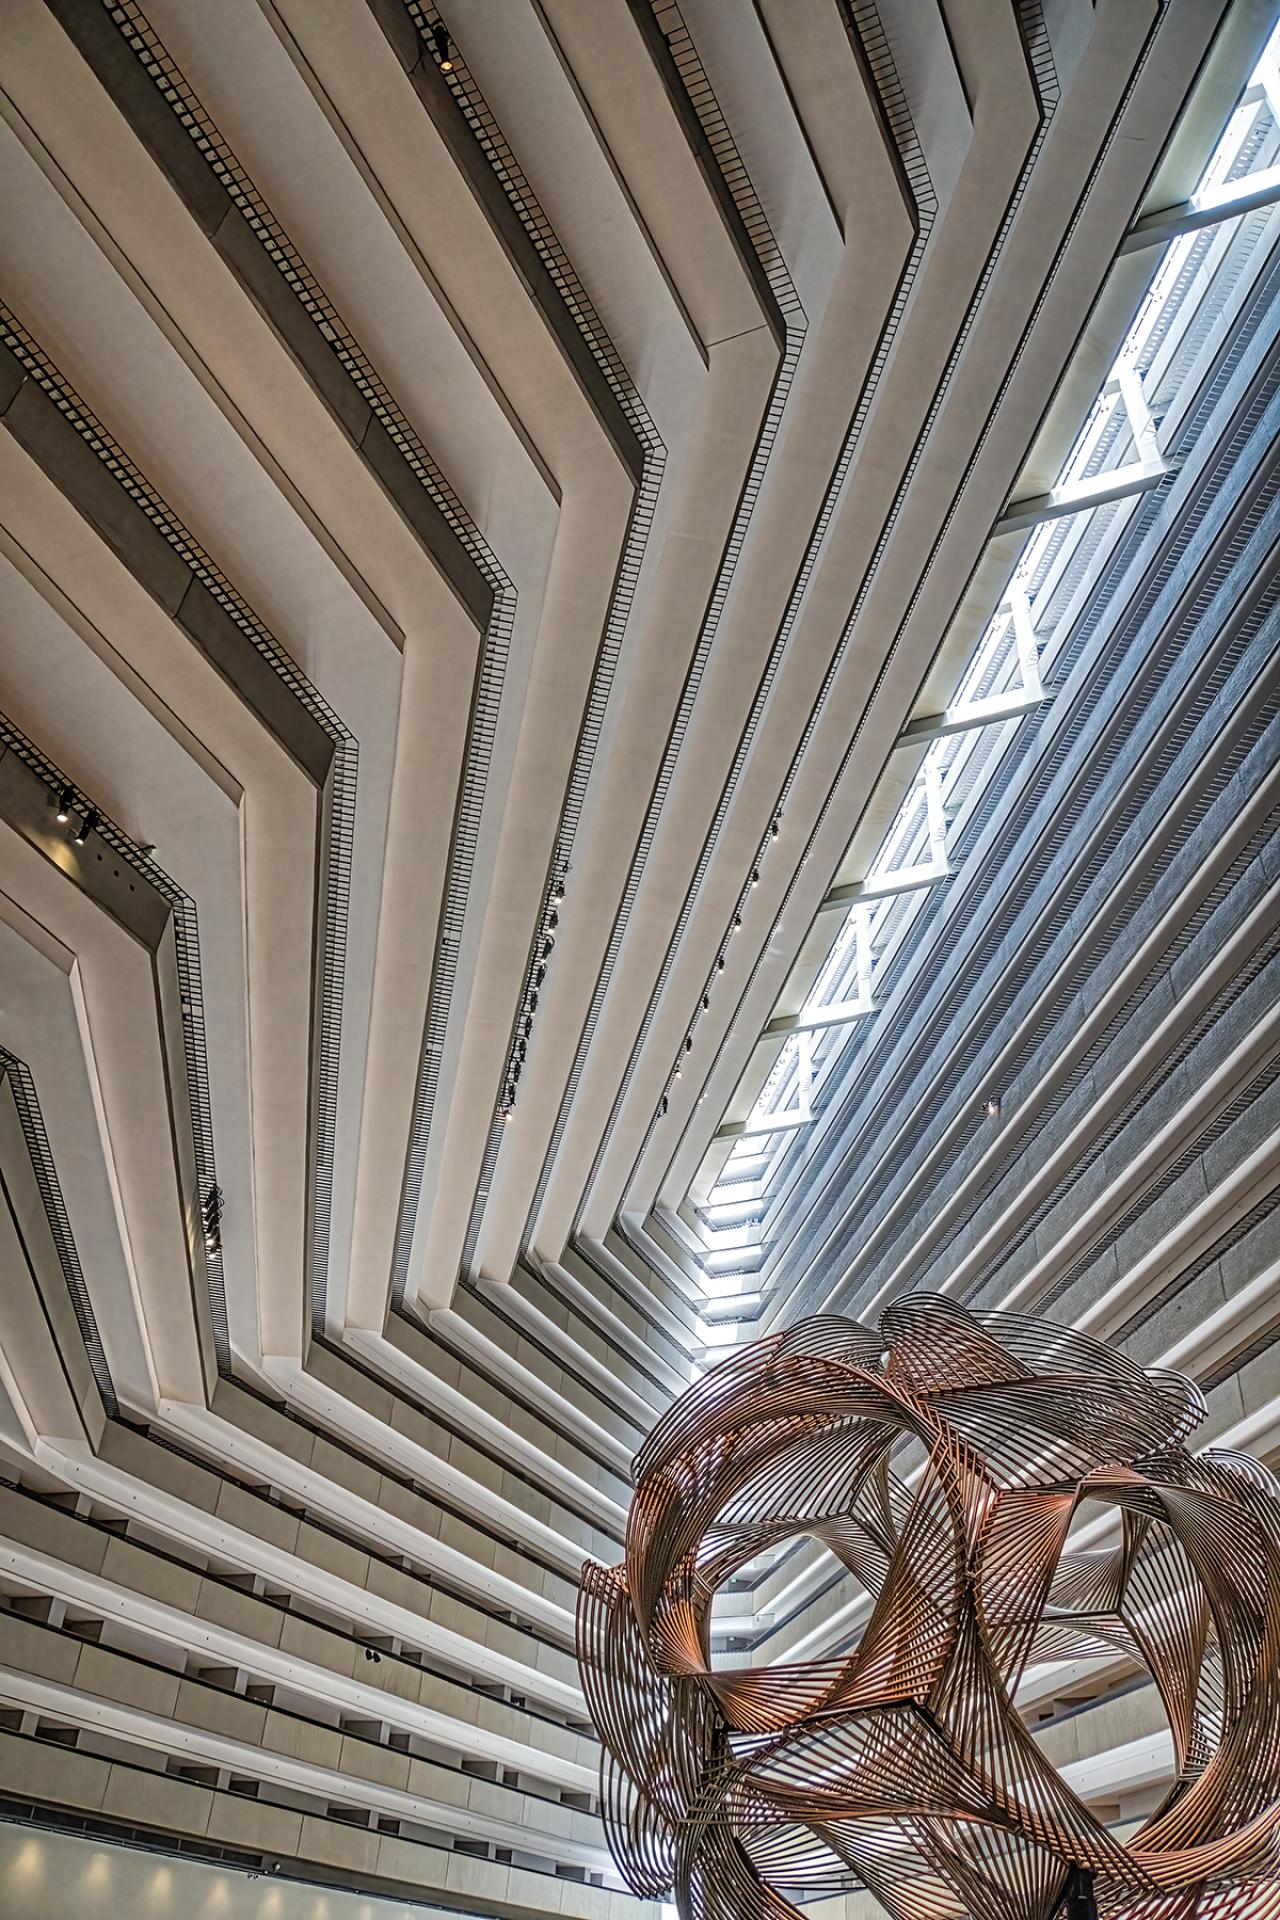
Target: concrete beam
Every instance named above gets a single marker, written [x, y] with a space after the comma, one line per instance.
[1156, 229]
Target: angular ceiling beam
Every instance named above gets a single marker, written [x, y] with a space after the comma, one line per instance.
[1156, 229]
[965, 719]
[748, 1130]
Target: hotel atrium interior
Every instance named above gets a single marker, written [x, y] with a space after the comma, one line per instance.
[638, 700]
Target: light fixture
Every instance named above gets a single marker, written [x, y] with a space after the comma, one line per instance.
[548, 947]
[688, 1043]
[679, 1073]
[440, 46]
[663, 1108]
[553, 921]
[755, 876]
[706, 1003]
[87, 826]
[558, 896]
[737, 921]
[993, 1106]
[66, 800]
[211, 1216]
[776, 827]
[720, 964]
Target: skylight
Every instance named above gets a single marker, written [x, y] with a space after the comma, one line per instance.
[1069, 534]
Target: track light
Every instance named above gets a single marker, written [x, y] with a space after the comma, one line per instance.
[776, 827]
[66, 800]
[679, 1073]
[737, 921]
[548, 947]
[553, 921]
[540, 975]
[720, 964]
[506, 1116]
[211, 1216]
[663, 1108]
[558, 896]
[688, 1043]
[706, 1003]
[993, 1106]
[533, 1001]
[755, 876]
[87, 826]
[440, 47]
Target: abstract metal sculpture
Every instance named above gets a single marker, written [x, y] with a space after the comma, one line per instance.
[943, 1461]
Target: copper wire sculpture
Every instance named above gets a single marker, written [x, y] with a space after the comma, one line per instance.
[942, 1460]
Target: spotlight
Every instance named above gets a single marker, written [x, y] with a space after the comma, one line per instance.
[706, 1003]
[688, 1043]
[211, 1215]
[679, 1073]
[993, 1106]
[737, 921]
[506, 1116]
[548, 947]
[553, 921]
[440, 47]
[663, 1108]
[533, 1001]
[720, 964]
[558, 896]
[776, 827]
[540, 975]
[66, 800]
[755, 876]
[87, 826]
